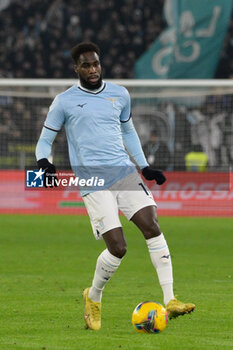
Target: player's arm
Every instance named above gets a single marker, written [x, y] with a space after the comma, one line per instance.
[44, 144]
[43, 151]
[133, 146]
[53, 124]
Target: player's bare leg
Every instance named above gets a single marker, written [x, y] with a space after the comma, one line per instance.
[115, 242]
[146, 220]
[107, 263]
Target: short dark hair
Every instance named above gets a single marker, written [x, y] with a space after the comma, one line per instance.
[77, 50]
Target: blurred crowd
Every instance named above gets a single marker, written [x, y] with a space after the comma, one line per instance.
[36, 36]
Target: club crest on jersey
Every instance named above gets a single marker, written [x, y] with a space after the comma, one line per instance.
[112, 99]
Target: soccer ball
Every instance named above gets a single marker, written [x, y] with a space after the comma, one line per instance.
[149, 317]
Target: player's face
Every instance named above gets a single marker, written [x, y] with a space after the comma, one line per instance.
[88, 69]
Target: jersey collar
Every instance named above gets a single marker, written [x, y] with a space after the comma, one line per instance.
[97, 91]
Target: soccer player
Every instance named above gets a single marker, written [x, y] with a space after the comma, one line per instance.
[99, 128]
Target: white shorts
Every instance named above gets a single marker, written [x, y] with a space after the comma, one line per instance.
[129, 195]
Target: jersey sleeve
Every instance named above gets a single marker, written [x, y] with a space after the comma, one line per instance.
[133, 144]
[55, 117]
[44, 144]
[126, 111]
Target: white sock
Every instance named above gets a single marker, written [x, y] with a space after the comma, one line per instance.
[106, 265]
[161, 259]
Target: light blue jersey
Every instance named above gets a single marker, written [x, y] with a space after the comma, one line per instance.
[93, 123]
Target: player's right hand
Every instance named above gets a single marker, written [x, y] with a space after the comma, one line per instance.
[50, 177]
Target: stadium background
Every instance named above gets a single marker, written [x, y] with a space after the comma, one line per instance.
[36, 36]
[47, 260]
[184, 118]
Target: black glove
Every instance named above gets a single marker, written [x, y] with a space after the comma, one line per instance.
[153, 174]
[49, 172]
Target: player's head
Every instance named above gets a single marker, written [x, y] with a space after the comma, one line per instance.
[87, 64]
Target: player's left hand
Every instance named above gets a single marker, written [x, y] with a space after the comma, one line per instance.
[154, 174]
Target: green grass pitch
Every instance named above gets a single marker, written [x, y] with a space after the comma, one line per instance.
[47, 261]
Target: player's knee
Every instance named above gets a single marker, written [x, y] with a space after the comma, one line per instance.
[151, 229]
[119, 250]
